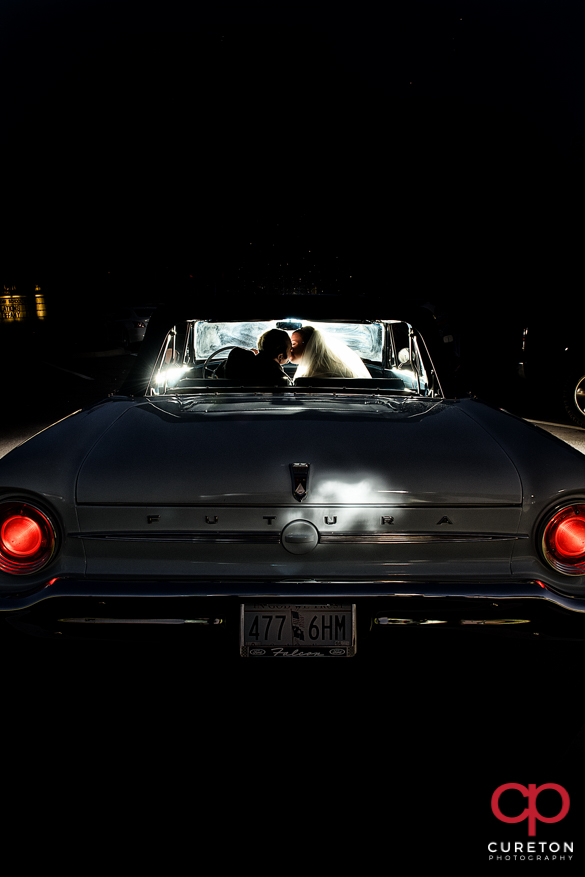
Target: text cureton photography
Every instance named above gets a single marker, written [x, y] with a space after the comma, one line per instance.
[530, 851]
[507, 805]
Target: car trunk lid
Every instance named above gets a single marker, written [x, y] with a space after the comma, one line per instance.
[360, 450]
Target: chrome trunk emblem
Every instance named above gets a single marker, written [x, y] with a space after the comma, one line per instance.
[300, 478]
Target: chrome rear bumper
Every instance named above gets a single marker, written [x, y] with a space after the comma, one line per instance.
[288, 588]
[519, 608]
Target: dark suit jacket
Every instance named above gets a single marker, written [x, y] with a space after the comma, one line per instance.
[252, 368]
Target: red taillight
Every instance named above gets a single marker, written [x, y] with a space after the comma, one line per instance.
[27, 538]
[21, 536]
[563, 540]
[570, 538]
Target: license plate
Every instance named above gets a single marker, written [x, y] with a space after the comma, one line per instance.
[290, 630]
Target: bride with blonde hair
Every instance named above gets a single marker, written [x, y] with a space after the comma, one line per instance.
[318, 356]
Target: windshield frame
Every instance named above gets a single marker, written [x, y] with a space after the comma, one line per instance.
[178, 357]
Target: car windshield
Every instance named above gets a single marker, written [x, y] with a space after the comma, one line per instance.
[385, 356]
[366, 339]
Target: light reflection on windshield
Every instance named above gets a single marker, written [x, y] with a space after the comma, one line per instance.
[365, 338]
[194, 353]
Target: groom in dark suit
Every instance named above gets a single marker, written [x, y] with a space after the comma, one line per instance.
[264, 367]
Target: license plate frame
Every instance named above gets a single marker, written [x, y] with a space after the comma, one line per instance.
[297, 630]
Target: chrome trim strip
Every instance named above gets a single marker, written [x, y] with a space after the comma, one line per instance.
[414, 538]
[325, 538]
[144, 620]
[309, 505]
[183, 537]
[385, 620]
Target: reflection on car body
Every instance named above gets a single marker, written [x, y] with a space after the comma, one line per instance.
[311, 518]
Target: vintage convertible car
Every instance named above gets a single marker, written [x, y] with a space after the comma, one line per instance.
[312, 519]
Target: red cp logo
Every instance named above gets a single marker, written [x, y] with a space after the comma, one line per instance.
[532, 793]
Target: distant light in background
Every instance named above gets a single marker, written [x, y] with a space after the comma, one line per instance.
[12, 308]
[16, 307]
[40, 304]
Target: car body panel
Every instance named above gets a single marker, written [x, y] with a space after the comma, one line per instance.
[240, 451]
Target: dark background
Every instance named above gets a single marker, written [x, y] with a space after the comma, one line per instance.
[425, 152]
[432, 150]
[428, 153]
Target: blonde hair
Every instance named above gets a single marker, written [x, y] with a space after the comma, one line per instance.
[325, 357]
